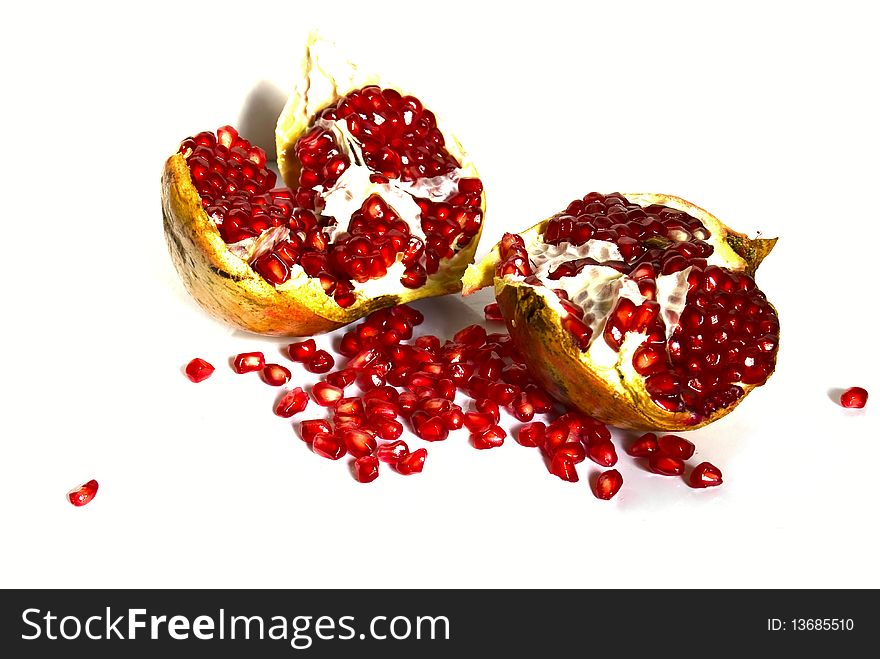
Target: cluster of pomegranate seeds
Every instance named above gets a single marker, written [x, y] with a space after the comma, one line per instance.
[854, 397]
[80, 496]
[198, 369]
[666, 455]
[727, 334]
[398, 141]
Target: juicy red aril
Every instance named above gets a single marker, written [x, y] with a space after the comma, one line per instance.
[326, 445]
[430, 428]
[602, 453]
[562, 466]
[854, 397]
[341, 378]
[665, 465]
[321, 362]
[705, 474]
[80, 496]
[198, 369]
[326, 394]
[366, 469]
[302, 351]
[275, 375]
[477, 422]
[359, 442]
[608, 484]
[392, 453]
[292, 402]
[522, 408]
[386, 428]
[349, 406]
[493, 313]
[472, 335]
[531, 434]
[489, 407]
[574, 451]
[453, 419]
[309, 429]
[675, 446]
[643, 446]
[247, 362]
[491, 437]
[502, 393]
[412, 463]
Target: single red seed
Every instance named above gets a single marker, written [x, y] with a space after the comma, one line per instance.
[302, 351]
[602, 453]
[643, 446]
[502, 393]
[665, 465]
[321, 362]
[349, 406]
[491, 437]
[341, 378]
[412, 463]
[359, 442]
[326, 445]
[490, 407]
[675, 446]
[80, 496]
[198, 369]
[531, 434]
[705, 474]
[574, 450]
[608, 484]
[292, 402]
[275, 375]
[247, 362]
[477, 422]
[854, 397]
[562, 466]
[472, 335]
[386, 428]
[393, 452]
[366, 469]
[453, 418]
[326, 395]
[431, 428]
[308, 429]
[522, 408]
[493, 312]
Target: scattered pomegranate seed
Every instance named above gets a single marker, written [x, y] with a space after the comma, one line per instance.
[359, 442]
[705, 474]
[489, 407]
[326, 445]
[326, 395]
[80, 496]
[531, 434]
[342, 378]
[248, 362]
[389, 429]
[321, 362]
[302, 351]
[675, 446]
[309, 429]
[491, 437]
[608, 484]
[643, 446]
[366, 469]
[412, 463]
[602, 453]
[854, 397]
[477, 422]
[393, 452]
[198, 369]
[275, 375]
[493, 313]
[665, 465]
[292, 402]
[562, 466]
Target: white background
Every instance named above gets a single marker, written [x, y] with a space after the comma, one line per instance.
[764, 113]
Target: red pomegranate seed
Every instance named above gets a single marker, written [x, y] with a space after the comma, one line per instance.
[854, 397]
[198, 369]
[643, 446]
[557, 433]
[477, 422]
[412, 463]
[321, 362]
[665, 465]
[248, 362]
[407, 403]
[326, 445]
[540, 399]
[531, 434]
[472, 335]
[675, 446]
[341, 378]
[302, 351]
[349, 406]
[493, 312]
[326, 395]
[275, 375]
[359, 442]
[574, 450]
[431, 428]
[312, 427]
[490, 407]
[453, 418]
[80, 496]
[502, 393]
[705, 474]
[522, 408]
[386, 428]
[608, 484]
[363, 358]
[292, 402]
[562, 466]
[491, 437]
[379, 407]
[602, 453]
[393, 452]
[366, 469]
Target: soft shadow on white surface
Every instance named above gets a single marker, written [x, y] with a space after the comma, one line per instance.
[259, 114]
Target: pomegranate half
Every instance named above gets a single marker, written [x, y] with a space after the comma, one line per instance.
[639, 309]
[383, 207]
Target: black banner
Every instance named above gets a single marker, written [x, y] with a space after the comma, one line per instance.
[333, 623]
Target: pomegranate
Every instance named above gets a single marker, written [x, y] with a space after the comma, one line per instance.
[639, 309]
[198, 370]
[854, 397]
[383, 206]
[83, 494]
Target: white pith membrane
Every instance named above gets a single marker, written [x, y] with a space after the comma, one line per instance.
[597, 290]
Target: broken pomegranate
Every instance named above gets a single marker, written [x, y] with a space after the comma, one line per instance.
[854, 397]
[80, 496]
[383, 206]
[198, 369]
[641, 310]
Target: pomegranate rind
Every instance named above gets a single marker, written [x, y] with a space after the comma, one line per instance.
[612, 394]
